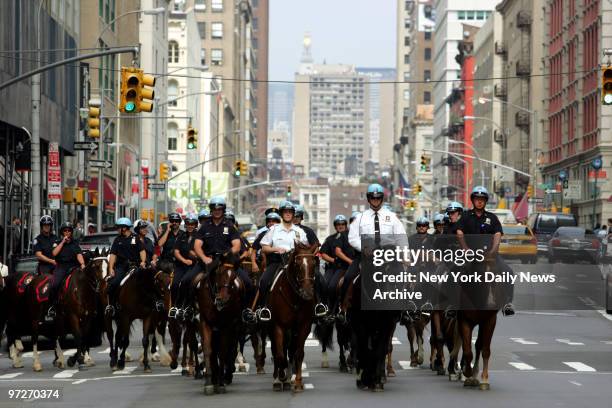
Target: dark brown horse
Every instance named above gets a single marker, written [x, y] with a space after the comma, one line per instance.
[292, 300]
[218, 296]
[137, 297]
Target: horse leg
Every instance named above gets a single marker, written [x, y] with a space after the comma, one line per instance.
[198, 371]
[487, 335]
[411, 339]
[280, 361]
[78, 340]
[420, 341]
[123, 339]
[206, 335]
[164, 356]
[14, 352]
[466, 337]
[478, 347]
[259, 347]
[298, 357]
[110, 336]
[146, 324]
[184, 360]
[389, 369]
[176, 333]
[453, 373]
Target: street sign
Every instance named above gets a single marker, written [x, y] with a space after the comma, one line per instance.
[573, 191]
[91, 146]
[157, 186]
[54, 177]
[597, 174]
[550, 191]
[100, 164]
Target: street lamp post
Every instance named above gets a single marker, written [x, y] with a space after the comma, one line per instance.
[471, 146]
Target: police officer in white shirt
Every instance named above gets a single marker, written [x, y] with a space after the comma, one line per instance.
[378, 222]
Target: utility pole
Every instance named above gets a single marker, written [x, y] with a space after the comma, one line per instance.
[100, 207]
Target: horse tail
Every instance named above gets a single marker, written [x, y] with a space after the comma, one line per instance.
[325, 334]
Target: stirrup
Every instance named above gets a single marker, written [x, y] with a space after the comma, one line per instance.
[321, 310]
[405, 319]
[508, 309]
[426, 309]
[450, 313]
[159, 306]
[109, 310]
[263, 314]
[188, 314]
[248, 316]
[341, 317]
[172, 313]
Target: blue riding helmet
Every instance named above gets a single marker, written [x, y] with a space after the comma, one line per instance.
[299, 210]
[375, 190]
[340, 219]
[217, 202]
[479, 191]
[286, 205]
[422, 221]
[46, 220]
[438, 219]
[204, 214]
[354, 215]
[454, 206]
[191, 219]
[273, 216]
[124, 222]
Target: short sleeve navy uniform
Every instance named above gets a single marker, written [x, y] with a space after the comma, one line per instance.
[479, 229]
[184, 244]
[167, 250]
[217, 238]
[149, 248]
[311, 236]
[68, 255]
[127, 249]
[45, 244]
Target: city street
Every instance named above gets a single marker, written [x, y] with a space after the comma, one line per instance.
[539, 358]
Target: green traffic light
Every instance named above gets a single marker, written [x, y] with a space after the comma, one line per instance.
[191, 145]
[237, 173]
[130, 107]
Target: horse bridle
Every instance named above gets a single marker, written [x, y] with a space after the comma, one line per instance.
[295, 283]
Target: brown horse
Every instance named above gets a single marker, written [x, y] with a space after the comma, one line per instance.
[218, 296]
[137, 297]
[292, 300]
[14, 300]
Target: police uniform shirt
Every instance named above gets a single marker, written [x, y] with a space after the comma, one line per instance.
[389, 224]
[258, 236]
[479, 229]
[184, 244]
[329, 248]
[281, 237]
[127, 249]
[44, 243]
[149, 248]
[168, 247]
[217, 238]
[338, 240]
[69, 252]
[310, 234]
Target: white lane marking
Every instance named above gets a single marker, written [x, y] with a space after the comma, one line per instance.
[546, 313]
[576, 383]
[126, 370]
[312, 343]
[9, 375]
[406, 365]
[521, 340]
[578, 366]
[395, 340]
[304, 365]
[521, 366]
[604, 314]
[562, 287]
[305, 374]
[105, 351]
[66, 374]
[606, 341]
[81, 381]
[586, 300]
[308, 386]
[570, 343]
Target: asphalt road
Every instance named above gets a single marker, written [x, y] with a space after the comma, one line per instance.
[543, 358]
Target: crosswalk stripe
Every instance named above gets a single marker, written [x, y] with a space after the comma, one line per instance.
[521, 366]
[395, 340]
[66, 374]
[126, 370]
[570, 343]
[606, 342]
[10, 375]
[406, 365]
[81, 381]
[105, 351]
[305, 374]
[303, 365]
[578, 366]
[312, 343]
[521, 340]
[308, 386]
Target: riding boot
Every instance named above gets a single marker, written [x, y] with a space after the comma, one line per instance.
[508, 309]
[263, 313]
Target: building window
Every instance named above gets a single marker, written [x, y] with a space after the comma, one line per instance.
[202, 29]
[202, 56]
[172, 136]
[200, 5]
[406, 94]
[407, 41]
[427, 97]
[217, 30]
[480, 15]
[427, 35]
[427, 55]
[406, 75]
[173, 51]
[216, 5]
[470, 15]
[406, 58]
[216, 56]
[427, 75]
[407, 23]
[173, 92]
[461, 15]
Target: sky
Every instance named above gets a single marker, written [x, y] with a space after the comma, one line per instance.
[359, 32]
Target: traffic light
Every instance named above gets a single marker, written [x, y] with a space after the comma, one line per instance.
[192, 138]
[164, 171]
[412, 205]
[419, 189]
[244, 168]
[135, 96]
[288, 191]
[237, 168]
[606, 84]
[423, 163]
[530, 191]
[93, 121]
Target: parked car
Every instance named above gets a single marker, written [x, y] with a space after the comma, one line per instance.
[505, 216]
[574, 244]
[101, 241]
[544, 225]
[518, 242]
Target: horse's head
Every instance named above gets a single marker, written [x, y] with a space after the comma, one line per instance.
[302, 266]
[162, 282]
[224, 279]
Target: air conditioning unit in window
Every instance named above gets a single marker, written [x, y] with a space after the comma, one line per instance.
[498, 136]
[500, 48]
[522, 119]
[523, 67]
[523, 19]
[500, 90]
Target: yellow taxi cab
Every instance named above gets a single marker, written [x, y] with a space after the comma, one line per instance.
[518, 242]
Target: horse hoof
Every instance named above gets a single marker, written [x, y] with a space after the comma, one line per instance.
[198, 375]
[147, 369]
[209, 390]
[221, 389]
[120, 364]
[484, 387]
[261, 370]
[174, 365]
[128, 357]
[155, 358]
[441, 371]
[71, 362]
[37, 367]
[277, 387]
[343, 369]
[185, 372]
[287, 386]
[379, 387]
[390, 372]
[298, 388]
[324, 364]
[242, 368]
[18, 365]
[470, 382]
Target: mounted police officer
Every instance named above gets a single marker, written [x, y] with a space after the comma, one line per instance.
[272, 218]
[126, 251]
[141, 230]
[481, 229]
[454, 211]
[438, 222]
[298, 218]
[43, 245]
[203, 216]
[168, 240]
[421, 237]
[185, 259]
[68, 255]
